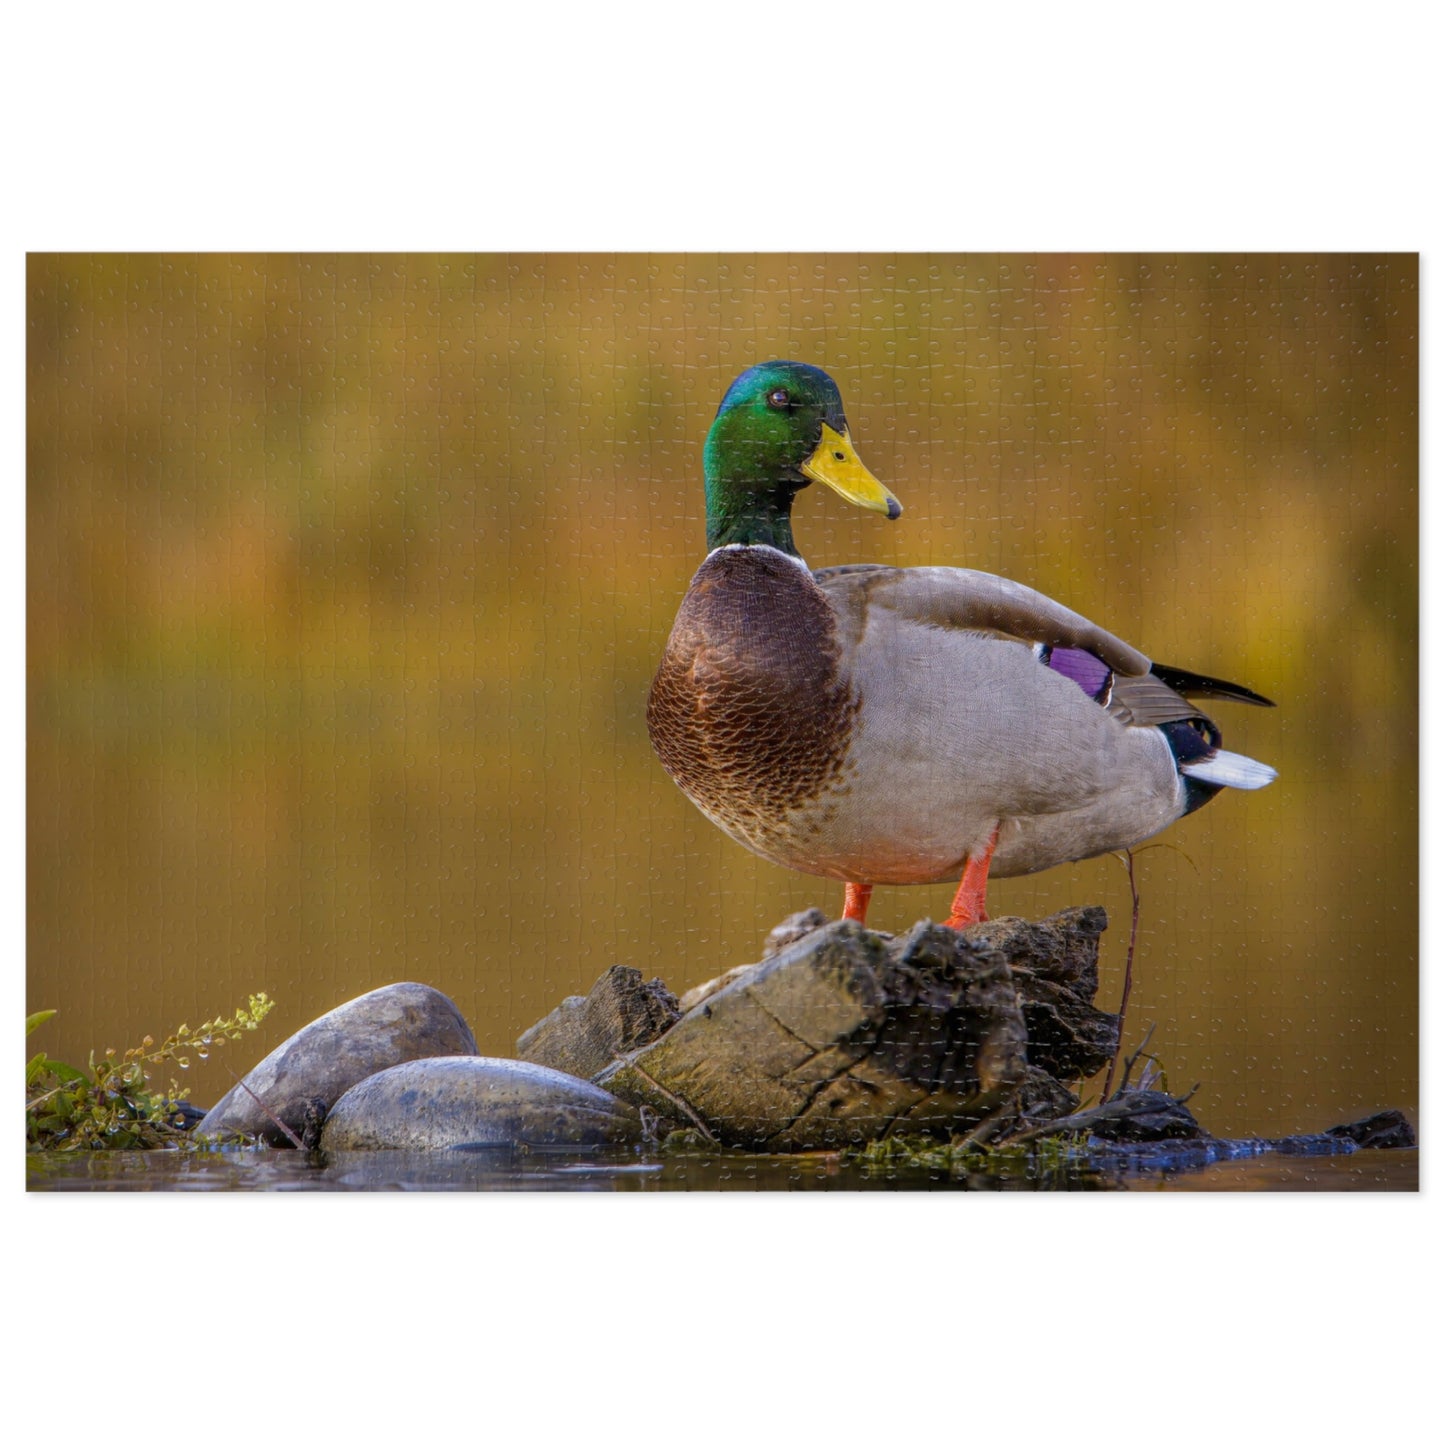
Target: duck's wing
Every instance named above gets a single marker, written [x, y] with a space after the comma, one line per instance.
[955, 597]
[1117, 676]
[1160, 697]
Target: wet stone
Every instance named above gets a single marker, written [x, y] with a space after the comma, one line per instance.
[302, 1078]
[469, 1103]
[1389, 1129]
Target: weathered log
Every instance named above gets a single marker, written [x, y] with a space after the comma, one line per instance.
[839, 1038]
[582, 1035]
[792, 928]
[787, 933]
[1055, 967]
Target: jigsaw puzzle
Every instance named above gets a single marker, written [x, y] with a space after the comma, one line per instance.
[723, 721]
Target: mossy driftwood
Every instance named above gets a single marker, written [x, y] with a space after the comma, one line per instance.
[839, 1036]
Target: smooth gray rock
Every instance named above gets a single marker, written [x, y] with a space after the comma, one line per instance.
[302, 1078]
[461, 1103]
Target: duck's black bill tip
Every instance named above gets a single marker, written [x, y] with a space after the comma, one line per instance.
[894, 510]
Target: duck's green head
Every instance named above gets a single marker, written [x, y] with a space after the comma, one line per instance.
[780, 426]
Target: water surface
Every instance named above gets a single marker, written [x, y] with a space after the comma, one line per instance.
[502, 1169]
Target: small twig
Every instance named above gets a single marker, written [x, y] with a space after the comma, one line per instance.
[1134, 1059]
[1171, 847]
[1081, 1122]
[682, 1105]
[1128, 969]
[279, 1123]
[983, 1132]
[1121, 1106]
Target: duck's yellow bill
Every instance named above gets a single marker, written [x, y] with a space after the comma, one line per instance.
[836, 465]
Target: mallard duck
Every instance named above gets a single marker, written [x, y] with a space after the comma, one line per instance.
[890, 725]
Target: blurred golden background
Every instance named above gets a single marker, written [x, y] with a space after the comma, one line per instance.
[347, 576]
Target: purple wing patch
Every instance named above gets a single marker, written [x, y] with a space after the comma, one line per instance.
[1094, 677]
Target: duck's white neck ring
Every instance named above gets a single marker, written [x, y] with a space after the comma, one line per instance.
[761, 547]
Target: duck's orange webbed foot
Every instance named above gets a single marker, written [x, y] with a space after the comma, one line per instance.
[855, 901]
[968, 902]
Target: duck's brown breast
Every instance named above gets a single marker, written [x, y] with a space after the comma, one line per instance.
[749, 711]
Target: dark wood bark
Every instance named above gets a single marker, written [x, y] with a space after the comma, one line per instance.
[582, 1036]
[840, 1035]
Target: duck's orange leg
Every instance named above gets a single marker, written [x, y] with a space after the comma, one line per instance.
[968, 902]
[855, 901]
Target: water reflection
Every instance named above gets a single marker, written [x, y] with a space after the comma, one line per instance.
[487, 1170]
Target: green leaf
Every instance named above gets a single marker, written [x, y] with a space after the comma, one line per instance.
[112, 1105]
[42, 1064]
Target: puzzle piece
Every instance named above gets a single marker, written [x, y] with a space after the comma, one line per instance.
[347, 576]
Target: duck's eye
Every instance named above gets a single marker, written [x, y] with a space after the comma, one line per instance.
[778, 399]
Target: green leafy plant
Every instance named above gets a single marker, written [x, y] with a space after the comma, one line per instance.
[110, 1104]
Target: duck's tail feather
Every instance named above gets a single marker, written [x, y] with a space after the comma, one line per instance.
[1196, 684]
[1230, 770]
